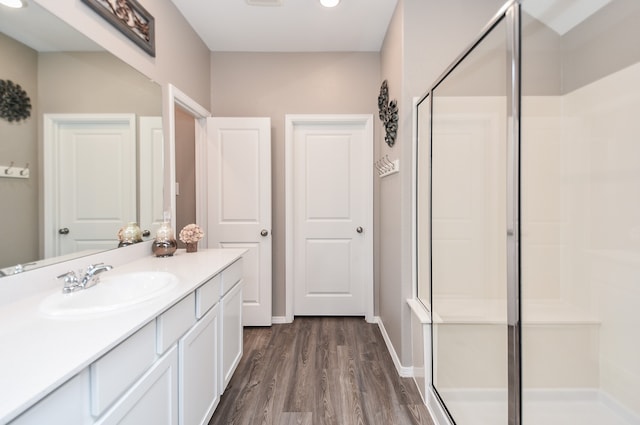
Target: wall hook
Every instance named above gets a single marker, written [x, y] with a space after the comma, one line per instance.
[385, 166]
[9, 171]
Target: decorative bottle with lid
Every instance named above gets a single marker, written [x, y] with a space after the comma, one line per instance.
[165, 244]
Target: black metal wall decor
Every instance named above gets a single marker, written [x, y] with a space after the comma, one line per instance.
[15, 104]
[130, 18]
[388, 112]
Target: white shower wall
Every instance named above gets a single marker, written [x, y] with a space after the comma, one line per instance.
[608, 113]
[581, 234]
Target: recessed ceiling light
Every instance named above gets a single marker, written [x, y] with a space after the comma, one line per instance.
[16, 4]
[329, 3]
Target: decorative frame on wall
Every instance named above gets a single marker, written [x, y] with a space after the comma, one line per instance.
[130, 18]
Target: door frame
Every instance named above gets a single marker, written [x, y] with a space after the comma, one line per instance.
[291, 121]
[50, 181]
[176, 97]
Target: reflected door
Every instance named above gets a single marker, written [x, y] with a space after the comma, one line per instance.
[151, 145]
[90, 162]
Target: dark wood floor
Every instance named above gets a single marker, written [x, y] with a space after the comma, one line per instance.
[318, 371]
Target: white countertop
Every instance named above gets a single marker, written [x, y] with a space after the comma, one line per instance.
[39, 353]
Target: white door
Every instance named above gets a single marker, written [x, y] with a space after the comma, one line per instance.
[331, 187]
[90, 180]
[239, 204]
[151, 169]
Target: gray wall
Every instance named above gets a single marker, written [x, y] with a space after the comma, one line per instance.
[182, 59]
[94, 82]
[18, 142]
[612, 35]
[185, 170]
[275, 84]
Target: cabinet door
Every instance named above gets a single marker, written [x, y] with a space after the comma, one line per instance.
[199, 370]
[69, 404]
[151, 400]
[231, 332]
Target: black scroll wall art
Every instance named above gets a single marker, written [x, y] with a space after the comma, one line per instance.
[388, 112]
[15, 104]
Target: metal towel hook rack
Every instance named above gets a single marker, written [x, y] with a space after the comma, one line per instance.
[13, 172]
[386, 167]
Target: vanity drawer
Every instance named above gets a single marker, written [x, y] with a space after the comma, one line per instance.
[173, 323]
[231, 275]
[117, 370]
[208, 295]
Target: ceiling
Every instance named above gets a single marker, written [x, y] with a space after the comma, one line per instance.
[40, 30]
[562, 15]
[289, 25]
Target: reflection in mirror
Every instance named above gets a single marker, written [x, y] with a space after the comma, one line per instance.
[86, 168]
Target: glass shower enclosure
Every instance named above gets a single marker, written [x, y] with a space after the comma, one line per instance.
[528, 218]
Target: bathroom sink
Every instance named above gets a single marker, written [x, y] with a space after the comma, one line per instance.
[112, 294]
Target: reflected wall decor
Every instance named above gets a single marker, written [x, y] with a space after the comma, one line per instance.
[15, 104]
[130, 18]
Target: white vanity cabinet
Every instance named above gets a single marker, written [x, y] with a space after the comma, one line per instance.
[171, 371]
[231, 331]
[151, 400]
[200, 388]
[69, 404]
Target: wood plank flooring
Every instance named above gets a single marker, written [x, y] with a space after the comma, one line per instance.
[317, 371]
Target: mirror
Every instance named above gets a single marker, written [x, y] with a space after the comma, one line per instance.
[65, 74]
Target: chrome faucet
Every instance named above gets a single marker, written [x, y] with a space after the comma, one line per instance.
[90, 277]
[18, 268]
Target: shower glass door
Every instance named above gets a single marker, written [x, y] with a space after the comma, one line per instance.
[469, 233]
[580, 212]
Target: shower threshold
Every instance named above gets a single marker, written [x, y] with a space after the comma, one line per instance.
[539, 407]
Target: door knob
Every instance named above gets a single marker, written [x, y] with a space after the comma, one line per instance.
[359, 229]
[264, 232]
[64, 231]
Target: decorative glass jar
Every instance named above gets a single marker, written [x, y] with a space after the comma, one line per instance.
[165, 244]
[130, 234]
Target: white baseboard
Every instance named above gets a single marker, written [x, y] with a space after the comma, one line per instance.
[279, 320]
[405, 372]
